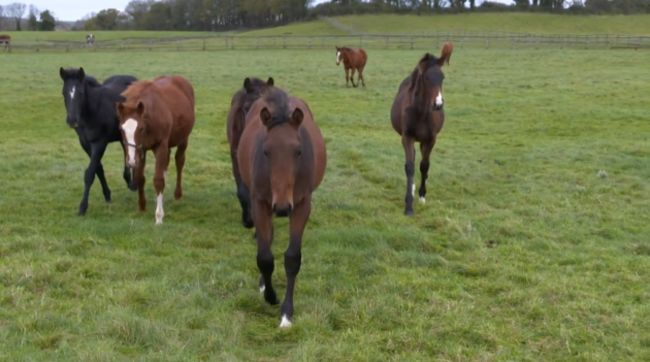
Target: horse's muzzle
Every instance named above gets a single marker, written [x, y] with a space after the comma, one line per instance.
[284, 211]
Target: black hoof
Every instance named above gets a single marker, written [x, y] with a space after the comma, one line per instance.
[132, 186]
[408, 212]
[248, 224]
[272, 300]
[81, 213]
[108, 200]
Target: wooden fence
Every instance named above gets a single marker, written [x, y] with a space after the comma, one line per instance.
[461, 40]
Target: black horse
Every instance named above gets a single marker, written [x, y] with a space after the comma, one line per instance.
[92, 111]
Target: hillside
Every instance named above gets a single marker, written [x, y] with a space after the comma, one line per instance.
[491, 22]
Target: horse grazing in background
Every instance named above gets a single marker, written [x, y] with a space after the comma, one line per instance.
[282, 160]
[90, 111]
[6, 40]
[90, 39]
[447, 48]
[417, 115]
[354, 59]
[157, 115]
[239, 106]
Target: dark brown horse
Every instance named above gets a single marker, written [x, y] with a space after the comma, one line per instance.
[282, 160]
[354, 59]
[157, 115]
[6, 39]
[239, 106]
[417, 115]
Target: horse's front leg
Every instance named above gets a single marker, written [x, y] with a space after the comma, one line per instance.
[128, 175]
[138, 179]
[99, 170]
[425, 149]
[96, 153]
[263, 219]
[352, 78]
[243, 195]
[409, 169]
[347, 77]
[162, 155]
[293, 256]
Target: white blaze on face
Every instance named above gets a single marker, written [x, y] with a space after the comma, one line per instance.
[338, 58]
[129, 128]
[439, 99]
[160, 213]
[72, 93]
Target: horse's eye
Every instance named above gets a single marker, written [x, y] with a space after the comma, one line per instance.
[266, 153]
[298, 153]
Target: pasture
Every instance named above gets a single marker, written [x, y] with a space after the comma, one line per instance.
[521, 252]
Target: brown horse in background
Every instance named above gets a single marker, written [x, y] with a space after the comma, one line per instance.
[239, 106]
[354, 59]
[417, 115]
[282, 160]
[6, 39]
[157, 115]
[447, 48]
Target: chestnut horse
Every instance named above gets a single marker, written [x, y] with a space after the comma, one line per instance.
[447, 48]
[417, 115]
[239, 106]
[157, 115]
[6, 39]
[354, 59]
[282, 160]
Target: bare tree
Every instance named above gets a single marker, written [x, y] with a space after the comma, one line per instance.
[16, 12]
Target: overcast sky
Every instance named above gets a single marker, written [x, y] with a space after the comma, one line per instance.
[69, 10]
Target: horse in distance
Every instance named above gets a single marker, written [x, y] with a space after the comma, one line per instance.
[6, 40]
[447, 48]
[353, 59]
[90, 39]
[282, 160]
[157, 115]
[90, 111]
[417, 115]
[239, 106]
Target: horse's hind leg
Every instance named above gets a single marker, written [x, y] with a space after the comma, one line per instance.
[347, 77]
[361, 77]
[425, 149]
[352, 79]
[99, 172]
[180, 162]
[293, 257]
[262, 216]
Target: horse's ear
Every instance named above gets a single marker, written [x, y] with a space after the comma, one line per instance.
[296, 117]
[140, 108]
[270, 81]
[82, 74]
[62, 73]
[265, 116]
[247, 85]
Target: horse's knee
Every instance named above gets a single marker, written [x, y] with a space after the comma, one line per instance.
[265, 261]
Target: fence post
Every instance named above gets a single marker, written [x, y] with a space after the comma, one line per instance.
[257, 43]
[309, 42]
[411, 42]
[586, 42]
[67, 48]
[203, 43]
[225, 39]
[284, 42]
[561, 42]
[386, 43]
[150, 44]
[232, 43]
[638, 44]
[536, 44]
[512, 43]
[361, 41]
[462, 41]
[487, 43]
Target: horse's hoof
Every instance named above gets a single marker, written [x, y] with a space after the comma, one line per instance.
[108, 200]
[132, 187]
[81, 213]
[408, 212]
[248, 224]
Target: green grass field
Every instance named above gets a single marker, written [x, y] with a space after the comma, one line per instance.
[521, 253]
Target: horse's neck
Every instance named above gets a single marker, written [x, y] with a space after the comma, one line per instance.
[420, 96]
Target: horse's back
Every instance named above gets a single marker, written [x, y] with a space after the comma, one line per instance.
[178, 82]
[317, 140]
[119, 82]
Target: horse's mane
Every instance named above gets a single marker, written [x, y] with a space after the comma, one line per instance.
[280, 101]
[90, 80]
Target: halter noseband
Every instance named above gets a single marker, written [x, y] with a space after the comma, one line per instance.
[138, 148]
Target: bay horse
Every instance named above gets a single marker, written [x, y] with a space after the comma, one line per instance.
[157, 115]
[282, 161]
[6, 39]
[239, 106]
[417, 115]
[354, 59]
[90, 111]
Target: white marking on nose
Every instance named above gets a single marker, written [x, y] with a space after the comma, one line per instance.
[72, 93]
[338, 57]
[439, 99]
[285, 323]
[129, 128]
[160, 213]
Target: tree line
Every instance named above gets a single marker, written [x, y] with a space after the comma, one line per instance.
[12, 17]
[223, 15]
